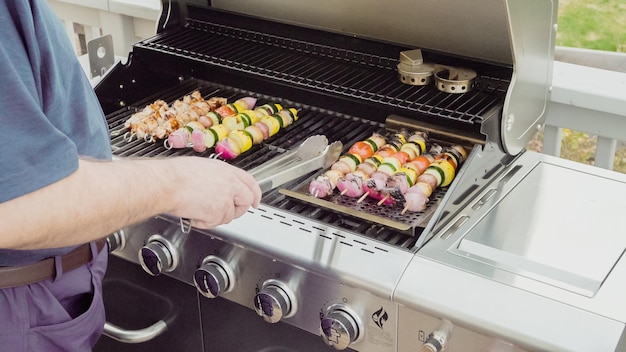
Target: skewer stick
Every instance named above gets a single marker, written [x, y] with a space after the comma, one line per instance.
[315, 194]
[115, 133]
[363, 197]
[383, 200]
[404, 210]
[344, 192]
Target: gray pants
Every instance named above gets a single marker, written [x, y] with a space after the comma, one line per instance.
[65, 314]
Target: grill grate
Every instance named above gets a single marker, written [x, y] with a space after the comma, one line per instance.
[312, 121]
[338, 71]
[359, 78]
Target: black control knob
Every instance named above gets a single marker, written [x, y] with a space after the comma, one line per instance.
[274, 302]
[158, 256]
[213, 277]
[340, 328]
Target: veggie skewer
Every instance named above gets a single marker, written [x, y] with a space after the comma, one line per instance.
[352, 184]
[323, 185]
[440, 173]
[241, 140]
[182, 137]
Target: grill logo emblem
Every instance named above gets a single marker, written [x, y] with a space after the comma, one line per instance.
[380, 317]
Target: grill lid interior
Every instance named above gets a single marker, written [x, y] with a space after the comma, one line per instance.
[517, 33]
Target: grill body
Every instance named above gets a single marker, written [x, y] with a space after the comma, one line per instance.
[392, 281]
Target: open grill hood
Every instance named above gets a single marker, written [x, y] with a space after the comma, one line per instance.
[514, 33]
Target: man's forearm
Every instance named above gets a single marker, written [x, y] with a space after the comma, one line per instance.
[98, 199]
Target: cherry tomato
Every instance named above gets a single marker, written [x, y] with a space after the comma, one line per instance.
[362, 149]
[402, 157]
[421, 162]
[386, 151]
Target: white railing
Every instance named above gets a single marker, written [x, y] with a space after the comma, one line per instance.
[589, 98]
[588, 95]
[127, 21]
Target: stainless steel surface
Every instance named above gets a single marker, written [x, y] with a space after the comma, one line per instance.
[422, 332]
[158, 255]
[413, 70]
[275, 301]
[340, 326]
[134, 336]
[314, 288]
[458, 27]
[310, 148]
[496, 263]
[454, 80]
[214, 277]
[532, 29]
[544, 239]
[554, 210]
[520, 33]
[297, 163]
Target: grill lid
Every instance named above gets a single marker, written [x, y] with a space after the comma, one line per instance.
[517, 33]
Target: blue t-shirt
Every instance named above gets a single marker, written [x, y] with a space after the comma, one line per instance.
[49, 113]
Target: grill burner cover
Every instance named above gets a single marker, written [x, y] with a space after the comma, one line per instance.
[412, 69]
[457, 80]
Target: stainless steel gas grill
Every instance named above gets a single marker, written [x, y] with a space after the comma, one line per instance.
[364, 276]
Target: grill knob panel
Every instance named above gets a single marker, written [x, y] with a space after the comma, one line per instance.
[340, 327]
[274, 302]
[158, 256]
[213, 277]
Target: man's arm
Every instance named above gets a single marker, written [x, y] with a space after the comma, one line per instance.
[102, 197]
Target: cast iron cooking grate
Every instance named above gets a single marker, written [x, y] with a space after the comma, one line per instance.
[312, 121]
[334, 70]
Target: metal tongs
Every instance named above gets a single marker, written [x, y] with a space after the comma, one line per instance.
[312, 154]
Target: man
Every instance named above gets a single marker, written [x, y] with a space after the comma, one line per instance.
[60, 192]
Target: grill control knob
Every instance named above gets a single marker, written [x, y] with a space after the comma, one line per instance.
[340, 327]
[116, 240]
[158, 256]
[274, 301]
[213, 277]
[436, 341]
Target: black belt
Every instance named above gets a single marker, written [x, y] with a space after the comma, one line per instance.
[15, 276]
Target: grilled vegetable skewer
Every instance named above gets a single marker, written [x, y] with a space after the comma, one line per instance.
[241, 140]
[323, 185]
[440, 173]
[182, 137]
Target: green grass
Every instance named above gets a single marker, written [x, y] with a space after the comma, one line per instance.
[589, 24]
[592, 24]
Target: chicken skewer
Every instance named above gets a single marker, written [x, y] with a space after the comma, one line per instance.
[158, 119]
[239, 110]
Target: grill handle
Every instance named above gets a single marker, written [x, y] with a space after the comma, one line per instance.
[134, 336]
